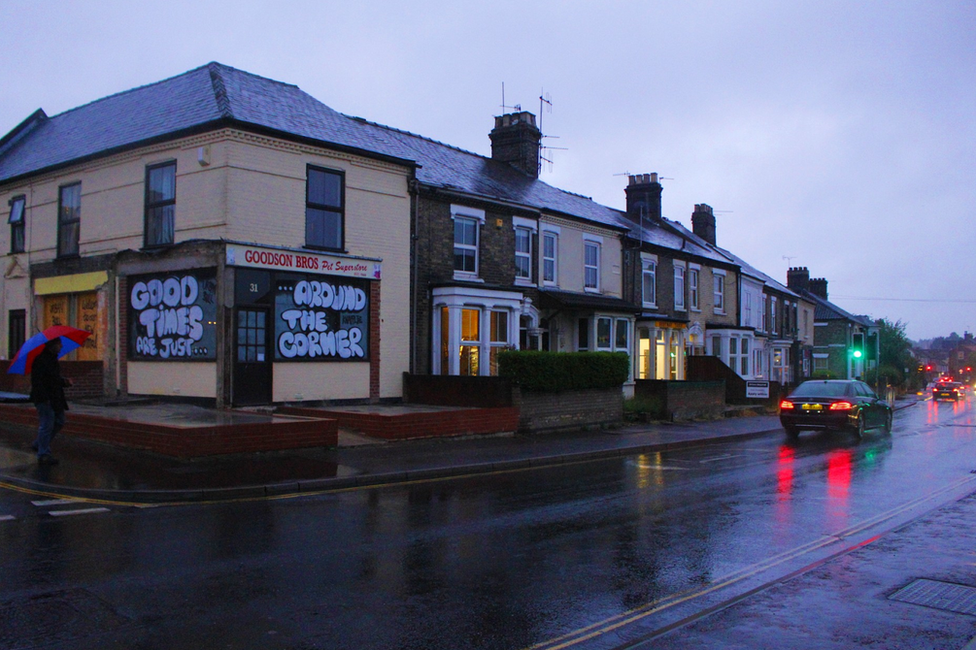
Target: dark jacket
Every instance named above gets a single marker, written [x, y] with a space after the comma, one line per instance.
[47, 384]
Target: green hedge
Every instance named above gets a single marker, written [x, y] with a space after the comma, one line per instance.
[559, 371]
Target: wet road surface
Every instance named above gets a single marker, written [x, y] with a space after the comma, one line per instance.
[629, 552]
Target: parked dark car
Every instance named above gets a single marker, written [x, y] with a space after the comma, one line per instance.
[947, 390]
[834, 404]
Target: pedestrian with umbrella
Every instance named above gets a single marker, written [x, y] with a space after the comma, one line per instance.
[39, 356]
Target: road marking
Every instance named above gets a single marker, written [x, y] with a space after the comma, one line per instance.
[641, 612]
[715, 459]
[83, 511]
[54, 502]
[7, 517]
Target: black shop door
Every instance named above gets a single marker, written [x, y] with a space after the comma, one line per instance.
[252, 357]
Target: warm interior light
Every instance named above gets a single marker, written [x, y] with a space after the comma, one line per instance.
[841, 406]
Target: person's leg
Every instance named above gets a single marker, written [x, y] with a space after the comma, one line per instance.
[59, 420]
[45, 428]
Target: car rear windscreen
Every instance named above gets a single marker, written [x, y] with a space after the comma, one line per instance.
[822, 389]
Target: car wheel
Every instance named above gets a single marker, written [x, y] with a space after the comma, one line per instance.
[887, 425]
[792, 432]
[861, 426]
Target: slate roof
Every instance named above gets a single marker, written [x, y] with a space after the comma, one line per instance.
[215, 95]
[825, 310]
[673, 235]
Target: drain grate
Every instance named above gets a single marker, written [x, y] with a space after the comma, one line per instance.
[938, 595]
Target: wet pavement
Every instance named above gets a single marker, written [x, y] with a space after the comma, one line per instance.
[100, 471]
[908, 586]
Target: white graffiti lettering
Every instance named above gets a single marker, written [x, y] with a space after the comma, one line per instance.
[344, 343]
[313, 293]
[171, 292]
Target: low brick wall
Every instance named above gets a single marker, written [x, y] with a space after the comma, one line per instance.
[425, 424]
[182, 442]
[684, 400]
[448, 390]
[86, 378]
[572, 409]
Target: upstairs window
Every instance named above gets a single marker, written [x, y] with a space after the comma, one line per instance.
[69, 219]
[591, 266]
[679, 287]
[649, 283]
[719, 293]
[16, 222]
[693, 288]
[523, 253]
[160, 205]
[466, 245]
[325, 209]
[550, 247]
[774, 325]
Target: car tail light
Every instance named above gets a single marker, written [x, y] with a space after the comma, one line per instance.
[786, 405]
[841, 406]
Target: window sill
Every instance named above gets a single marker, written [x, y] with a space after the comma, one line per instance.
[467, 277]
[591, 290]
[522, 282]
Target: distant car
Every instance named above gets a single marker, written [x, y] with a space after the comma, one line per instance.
[834, 404]
[947, 390]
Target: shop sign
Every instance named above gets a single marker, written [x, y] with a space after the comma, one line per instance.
[286, 260]
[321, 318]
[173, 316]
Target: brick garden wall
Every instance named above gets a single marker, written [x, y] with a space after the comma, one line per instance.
[684, 400]
[573, 409]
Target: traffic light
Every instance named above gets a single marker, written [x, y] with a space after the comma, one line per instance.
[857, 354]
[928, 368]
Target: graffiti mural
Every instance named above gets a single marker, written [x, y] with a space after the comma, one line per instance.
[173, 316]
[321, 319]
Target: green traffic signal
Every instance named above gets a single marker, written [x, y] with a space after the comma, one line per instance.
[857, 354]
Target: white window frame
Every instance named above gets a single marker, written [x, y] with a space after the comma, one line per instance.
[649, 269]
[478, 216]
[680, 272]
[694, 300]
[531, 228]
[774, 328]
[550, 233]
[596, 243]
[718, 291]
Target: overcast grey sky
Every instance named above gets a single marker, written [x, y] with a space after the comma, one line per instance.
[837, 135]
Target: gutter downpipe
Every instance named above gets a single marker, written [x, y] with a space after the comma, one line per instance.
[413, 187]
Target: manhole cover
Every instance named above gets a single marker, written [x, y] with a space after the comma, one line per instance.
[939, 595]
[54, 616]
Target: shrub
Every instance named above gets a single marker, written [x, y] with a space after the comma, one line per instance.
[558, 371]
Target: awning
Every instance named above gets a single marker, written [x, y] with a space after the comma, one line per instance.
[549, 299]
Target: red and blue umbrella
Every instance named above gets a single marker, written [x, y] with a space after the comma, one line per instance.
[71, 340]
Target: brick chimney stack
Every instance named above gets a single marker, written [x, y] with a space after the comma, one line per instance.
[644, 197]
[818, 287]
[517, 140]
[798, 278]
[703, 222]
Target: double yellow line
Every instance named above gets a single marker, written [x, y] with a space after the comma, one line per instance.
[637, 614]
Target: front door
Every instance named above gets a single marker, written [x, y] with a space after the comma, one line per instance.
[252, 357]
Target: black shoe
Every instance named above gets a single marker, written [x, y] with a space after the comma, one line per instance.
[47, 459]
